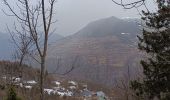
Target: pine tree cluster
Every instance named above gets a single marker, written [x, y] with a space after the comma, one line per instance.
[155, 41]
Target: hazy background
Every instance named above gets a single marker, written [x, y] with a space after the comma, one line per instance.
[72, 15]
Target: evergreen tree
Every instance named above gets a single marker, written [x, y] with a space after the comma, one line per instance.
[11, 94]
[155, 41]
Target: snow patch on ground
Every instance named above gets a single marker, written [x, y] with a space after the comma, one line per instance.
[57, 83]
[28, 87]
[64, 93]
[49, 91]
[31, 82]
[125, 33]
[70, 90]
[72, 87]
[72, 82]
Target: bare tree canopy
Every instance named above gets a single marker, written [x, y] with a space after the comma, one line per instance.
[35, 21]
[134, 4]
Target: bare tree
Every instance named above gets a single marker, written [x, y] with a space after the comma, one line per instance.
[22, 43]
[71, 66]
[134, 4]
[33, 18]
[123, 84]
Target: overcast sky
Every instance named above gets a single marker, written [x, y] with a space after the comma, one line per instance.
[72, 15]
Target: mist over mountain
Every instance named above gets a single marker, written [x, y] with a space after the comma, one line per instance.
[99, 52]
[8, 47]
[110, 26]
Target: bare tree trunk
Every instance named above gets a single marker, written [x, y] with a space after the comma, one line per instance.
[29, 17]
[42, 78]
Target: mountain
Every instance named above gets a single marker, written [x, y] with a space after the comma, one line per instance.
[100, 52]
[7, 46]
[109, 26]
[54, 37]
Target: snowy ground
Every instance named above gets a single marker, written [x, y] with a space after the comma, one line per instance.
[70, 90]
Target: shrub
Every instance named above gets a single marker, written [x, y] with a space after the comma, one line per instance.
[11, 94]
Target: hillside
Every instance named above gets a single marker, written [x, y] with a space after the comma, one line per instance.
[100, 52]
[27, 85]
